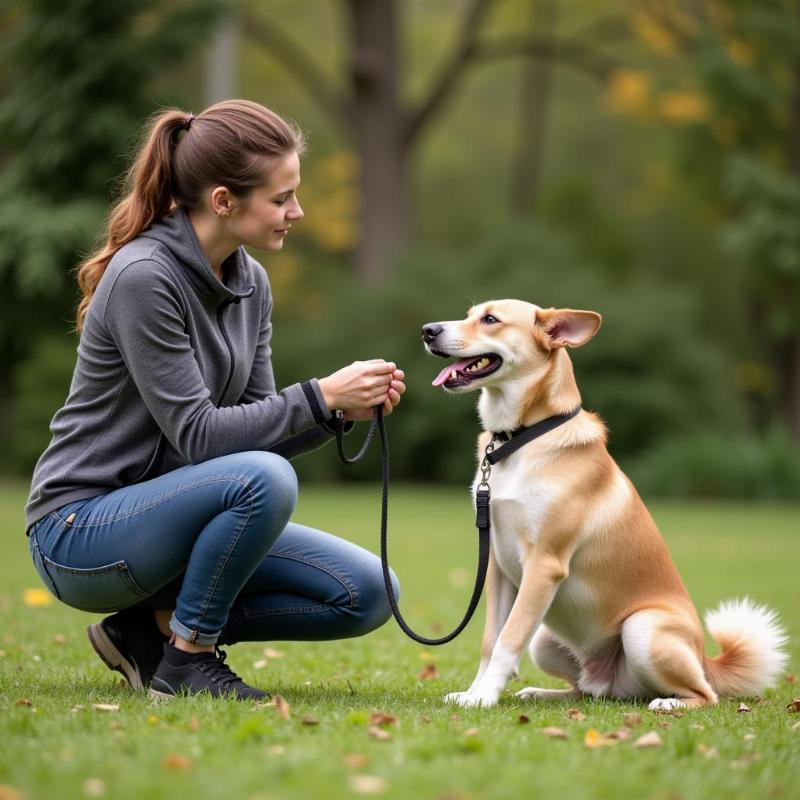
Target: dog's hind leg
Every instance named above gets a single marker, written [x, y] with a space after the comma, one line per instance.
[659, 655]
[555, 658]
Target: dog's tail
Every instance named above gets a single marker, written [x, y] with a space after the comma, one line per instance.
[752, 641]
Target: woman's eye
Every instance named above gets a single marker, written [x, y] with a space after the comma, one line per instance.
[489, 319]
[280, 202]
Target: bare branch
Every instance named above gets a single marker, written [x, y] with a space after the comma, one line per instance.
[266, 34]
[569, 52]
[452, 71]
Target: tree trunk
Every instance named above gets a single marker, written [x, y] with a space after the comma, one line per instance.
[378, 124]
[532, 121]
[222, 61]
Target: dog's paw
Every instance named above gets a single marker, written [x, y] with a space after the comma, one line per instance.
[666, 704]
[532, 693]
[469, 699]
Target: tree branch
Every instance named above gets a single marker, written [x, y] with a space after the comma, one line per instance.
[265, 33]
[450, 74]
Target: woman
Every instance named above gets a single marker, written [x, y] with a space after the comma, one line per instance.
[165, 493]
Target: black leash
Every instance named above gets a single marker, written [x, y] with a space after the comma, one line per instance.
[516, 439]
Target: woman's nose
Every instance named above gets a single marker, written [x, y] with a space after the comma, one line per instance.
[296, 212]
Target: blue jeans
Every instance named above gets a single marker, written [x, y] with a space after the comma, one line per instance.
[214, 542]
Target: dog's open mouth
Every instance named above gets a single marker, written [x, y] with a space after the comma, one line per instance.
[466, 370]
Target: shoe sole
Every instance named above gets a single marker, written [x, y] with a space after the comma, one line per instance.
[156, 695]
[112, 658]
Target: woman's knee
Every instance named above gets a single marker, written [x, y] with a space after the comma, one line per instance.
[373, 600]
[269, 479]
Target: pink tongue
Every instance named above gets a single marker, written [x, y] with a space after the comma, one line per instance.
[445, 373]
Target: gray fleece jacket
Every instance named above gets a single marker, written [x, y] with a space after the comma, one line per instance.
[173, 368]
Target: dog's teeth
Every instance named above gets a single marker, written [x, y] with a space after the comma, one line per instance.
[453, 375]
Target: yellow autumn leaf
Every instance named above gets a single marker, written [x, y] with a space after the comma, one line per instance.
[741, 53]
[682, 108]
[629, 92]
[37, 598]
[655, 34]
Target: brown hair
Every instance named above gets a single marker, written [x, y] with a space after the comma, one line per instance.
[225, 145]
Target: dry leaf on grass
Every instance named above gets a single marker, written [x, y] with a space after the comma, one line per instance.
[455, 718]
[651, 739]
[10, 793]
[378, 733]
[281, 706]
[367, 784]
[355, 760]
[523, 719]
[59, 638]
[105, 707]
[425, 718]
[555, 733]
[309, 721]
[194, 724]
[575, 713]
[428, 672]
[794, 706]
[176, 762]
[743, 709]
[665, 725]
[708, 752]
[270, 653]
[23, 701]
[796, 726]
[277, 750]
[621, 735]
[37, 598]
[472, 731]
[748, 737]
[791, 679]
[260, 664]
[379, 718]
[632, 720]
[94, 787]
[594, 738]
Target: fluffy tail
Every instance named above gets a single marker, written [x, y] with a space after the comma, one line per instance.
[752, 642]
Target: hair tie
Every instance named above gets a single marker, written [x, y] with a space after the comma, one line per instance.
[187, 123]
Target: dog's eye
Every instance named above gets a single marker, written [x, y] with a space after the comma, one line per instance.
[488, 319]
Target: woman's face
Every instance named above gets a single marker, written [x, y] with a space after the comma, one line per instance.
[264, 219]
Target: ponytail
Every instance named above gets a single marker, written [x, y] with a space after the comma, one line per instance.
[217, 148]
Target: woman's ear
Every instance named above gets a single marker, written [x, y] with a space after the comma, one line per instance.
[565, 327]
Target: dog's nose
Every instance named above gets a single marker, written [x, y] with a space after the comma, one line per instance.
[431, 331]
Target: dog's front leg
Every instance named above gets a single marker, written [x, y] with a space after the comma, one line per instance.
[500, 595]
[541, 578]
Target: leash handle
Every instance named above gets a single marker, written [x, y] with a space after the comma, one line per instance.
[481, 522]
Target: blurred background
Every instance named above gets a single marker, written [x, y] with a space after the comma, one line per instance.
[641, 159]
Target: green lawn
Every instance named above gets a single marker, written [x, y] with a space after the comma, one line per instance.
[59, 746]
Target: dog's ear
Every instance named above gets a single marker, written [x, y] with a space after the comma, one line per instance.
[565, 327]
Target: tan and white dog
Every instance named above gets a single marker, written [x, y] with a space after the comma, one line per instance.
[578, 570]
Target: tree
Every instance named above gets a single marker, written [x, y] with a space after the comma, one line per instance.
[366, 103]
[78, 81]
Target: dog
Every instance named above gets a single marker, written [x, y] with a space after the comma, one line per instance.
[578, 571]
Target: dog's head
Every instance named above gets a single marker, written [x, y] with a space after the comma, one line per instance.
[504, 339]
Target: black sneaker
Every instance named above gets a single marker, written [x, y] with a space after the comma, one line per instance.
[192, 673]
[130, 643]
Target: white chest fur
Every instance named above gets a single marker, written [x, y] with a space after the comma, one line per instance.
[520, 503]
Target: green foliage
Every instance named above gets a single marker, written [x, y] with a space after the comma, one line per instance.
[651, 372]
[714, 465]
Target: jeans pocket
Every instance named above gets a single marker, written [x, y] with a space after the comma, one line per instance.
[99, 589]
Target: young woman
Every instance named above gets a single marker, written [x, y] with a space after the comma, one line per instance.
[165, 493]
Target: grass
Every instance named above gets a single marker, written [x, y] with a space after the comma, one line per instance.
[60, 747]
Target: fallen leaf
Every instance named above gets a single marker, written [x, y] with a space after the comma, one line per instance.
[260, 664]
[428, 672]
[632, 720]
[277, 750]
[796, 726]
[698, 727]
[10, 793]
[456, 718]
[367, 784]
[194, 724]
[665, 725]
[426, 719]
[575, 713]
[105, 707]
[425, 656]
[94, 787]
[37, 598]
[59, 638]
[523, 719]
[177, 762]
[794, 706]
[791, 679]
[555, 733]
[472, 731]
[621, 735]
[281, 706]
[594, 738]
[378, 733]
[23, 701]
[379, 718]
[748, 737]
[708, 752]
[309, 721]
[651, 739]
[270, 653]
[355, 760]
[743, 709]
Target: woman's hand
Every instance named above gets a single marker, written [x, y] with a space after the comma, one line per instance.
[357, 388]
